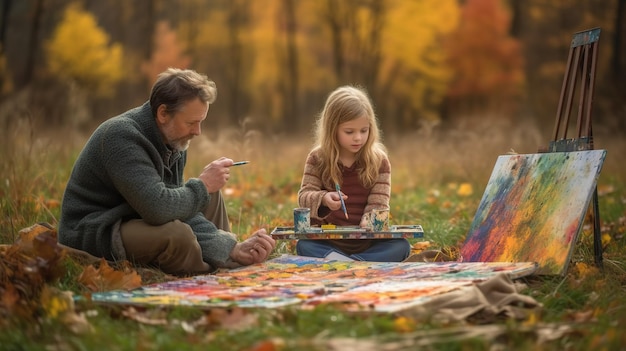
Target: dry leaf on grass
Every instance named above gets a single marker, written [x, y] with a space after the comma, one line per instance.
[232, 318]
[105, 278]
[25, 268]
[148, 317]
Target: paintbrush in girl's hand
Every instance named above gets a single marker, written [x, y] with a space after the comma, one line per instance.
[240, 163]
[343, 204]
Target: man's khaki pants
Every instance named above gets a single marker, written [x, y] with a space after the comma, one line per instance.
[173, 246]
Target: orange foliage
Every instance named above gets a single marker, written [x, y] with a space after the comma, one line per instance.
[168, 52]
[25, 268]
[488, 62]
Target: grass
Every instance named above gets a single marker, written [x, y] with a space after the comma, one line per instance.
[438, 181]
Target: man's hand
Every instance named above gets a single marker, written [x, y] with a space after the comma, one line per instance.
[216, 174]
[255, 249]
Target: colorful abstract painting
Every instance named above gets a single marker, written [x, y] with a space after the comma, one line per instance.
[307, 282]
[533, 209]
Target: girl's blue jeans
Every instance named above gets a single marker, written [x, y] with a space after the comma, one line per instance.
[390, 250]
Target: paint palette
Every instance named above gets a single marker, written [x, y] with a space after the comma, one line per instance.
[349, 232]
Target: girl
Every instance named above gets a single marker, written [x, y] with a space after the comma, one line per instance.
[348, 152]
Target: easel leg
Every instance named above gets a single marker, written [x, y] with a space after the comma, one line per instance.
[597, 235]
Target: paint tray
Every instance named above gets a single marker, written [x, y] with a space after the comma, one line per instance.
[349, 232]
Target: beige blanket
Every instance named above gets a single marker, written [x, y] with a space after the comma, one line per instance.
[483, 302]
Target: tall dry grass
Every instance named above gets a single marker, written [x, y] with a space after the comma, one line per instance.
[34, 169]
[36, 163]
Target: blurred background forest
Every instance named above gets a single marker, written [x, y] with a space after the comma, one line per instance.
[427, 64]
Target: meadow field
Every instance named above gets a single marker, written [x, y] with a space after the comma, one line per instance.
[438, 178]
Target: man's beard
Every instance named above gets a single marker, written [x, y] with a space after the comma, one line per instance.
[180, 145]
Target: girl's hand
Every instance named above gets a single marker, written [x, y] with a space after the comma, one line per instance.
[365, 220]
[332, 201]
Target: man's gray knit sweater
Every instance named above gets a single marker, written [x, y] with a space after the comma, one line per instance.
[126, 171]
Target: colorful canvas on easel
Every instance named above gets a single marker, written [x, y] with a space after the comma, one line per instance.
[533, 209]
[308, 282]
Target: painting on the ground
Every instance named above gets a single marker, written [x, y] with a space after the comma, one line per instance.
[533, 209]
[307, 282]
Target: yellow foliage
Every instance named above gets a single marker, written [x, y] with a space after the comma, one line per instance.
[532, 319]
[404, 324]
[465, 189]
[420, 246]
[399, 40]
[79, 50]
[412, 55]
[268, 43]
[585, 270]
[606, 239]
[55, 302]
[267, 63]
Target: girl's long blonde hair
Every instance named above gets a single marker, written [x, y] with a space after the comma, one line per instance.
[342, 105]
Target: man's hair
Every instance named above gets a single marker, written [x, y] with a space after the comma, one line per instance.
[174, 87]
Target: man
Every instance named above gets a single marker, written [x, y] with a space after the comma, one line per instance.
[126, 197]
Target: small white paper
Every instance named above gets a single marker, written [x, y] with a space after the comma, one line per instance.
[336, 256]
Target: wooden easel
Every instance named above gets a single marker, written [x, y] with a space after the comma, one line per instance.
[581, 66]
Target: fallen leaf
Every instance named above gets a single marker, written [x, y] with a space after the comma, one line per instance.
[264, 345]
[10, 297]
[531, 320]
[106, 278]
[420, 245]
[404, 324]
[26, 236]
[25, 268]
[465, 189]
[585, 270]
[232, 318]
[148, 317]
[605, 189]
[606, 239]
[582, 316]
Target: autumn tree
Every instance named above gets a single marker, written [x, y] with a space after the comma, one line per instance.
[290, 86]
[79, 51]
[238, 17]
[5, 82]
[280, 59]
[487, 62]
[354, 28]
[168, 52]
[219, 40]
[413, 74]
[267, 61]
